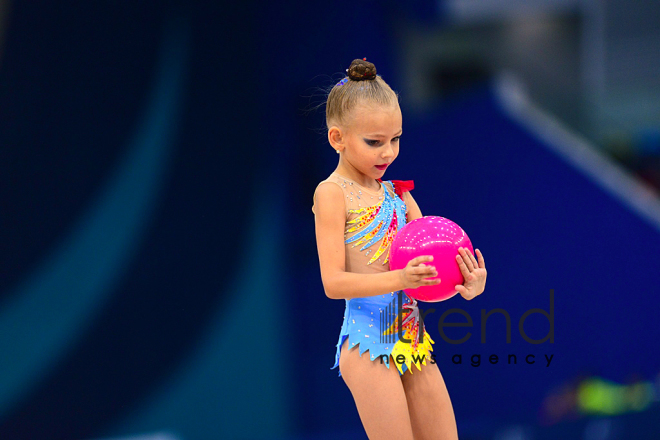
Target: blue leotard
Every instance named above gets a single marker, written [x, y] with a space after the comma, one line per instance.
[372, 323]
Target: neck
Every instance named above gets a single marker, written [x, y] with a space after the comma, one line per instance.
[360, 179]
[356, 176]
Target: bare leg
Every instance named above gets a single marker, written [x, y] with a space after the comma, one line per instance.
[378, 394]
[431, 411]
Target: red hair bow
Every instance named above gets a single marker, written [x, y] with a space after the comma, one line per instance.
[401, 186]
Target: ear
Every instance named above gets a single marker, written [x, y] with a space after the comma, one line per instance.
[336, 138]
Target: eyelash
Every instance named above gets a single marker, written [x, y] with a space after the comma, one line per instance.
[373, 142]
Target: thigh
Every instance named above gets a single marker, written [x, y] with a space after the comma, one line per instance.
[431, 411]
[378, 394]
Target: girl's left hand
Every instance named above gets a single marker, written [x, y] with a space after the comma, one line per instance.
[474, 273]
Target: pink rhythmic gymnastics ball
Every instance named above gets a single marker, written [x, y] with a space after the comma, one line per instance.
[436, 236]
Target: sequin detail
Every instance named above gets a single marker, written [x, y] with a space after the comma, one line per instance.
[378, 223]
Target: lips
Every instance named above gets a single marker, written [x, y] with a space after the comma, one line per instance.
[382, 167]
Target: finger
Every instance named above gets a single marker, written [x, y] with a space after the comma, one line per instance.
[432, 282]
[460, 289]
[464, 253]
[461, 265]
[474, 260]
[417, 260]
[428, 271]
[482, 263]
[423, 268]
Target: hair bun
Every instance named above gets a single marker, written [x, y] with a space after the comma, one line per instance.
[361, 70]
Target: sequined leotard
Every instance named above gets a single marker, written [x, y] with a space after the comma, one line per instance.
[372, 220]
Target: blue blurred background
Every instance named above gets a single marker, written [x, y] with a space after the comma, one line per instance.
[159, 273]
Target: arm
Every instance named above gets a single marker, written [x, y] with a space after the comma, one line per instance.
[330, 222]
[413, 210]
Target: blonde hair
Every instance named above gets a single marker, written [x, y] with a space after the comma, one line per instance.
[361, 85]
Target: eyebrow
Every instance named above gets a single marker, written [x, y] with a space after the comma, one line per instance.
[382, 135]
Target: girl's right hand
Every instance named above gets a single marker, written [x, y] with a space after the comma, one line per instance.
[416, 273]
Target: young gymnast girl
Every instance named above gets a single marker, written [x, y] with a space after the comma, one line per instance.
[357, 216]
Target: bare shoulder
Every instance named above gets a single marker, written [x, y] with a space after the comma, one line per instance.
[328, 196]
[328, 193]
[328, 187]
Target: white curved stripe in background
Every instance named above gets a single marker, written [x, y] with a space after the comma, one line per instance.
[615, 179]
[243, 364]
[55, 304]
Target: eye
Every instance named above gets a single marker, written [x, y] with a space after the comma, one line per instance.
[396, 139]
[371, 142]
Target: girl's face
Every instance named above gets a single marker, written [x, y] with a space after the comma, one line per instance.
[371, 138]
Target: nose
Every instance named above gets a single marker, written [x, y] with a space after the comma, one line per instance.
[388, 151]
